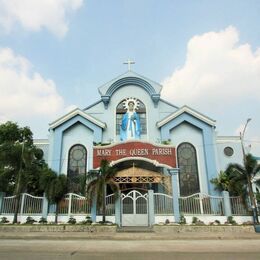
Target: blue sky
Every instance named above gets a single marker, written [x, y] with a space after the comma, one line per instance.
[54, 55]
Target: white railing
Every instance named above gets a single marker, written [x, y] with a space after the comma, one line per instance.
[74, 204]
[28, 204]
[8, 206]
[80, 205]
[237, 207]
[163, 204]
[110, 205]
[31, 204]
[201, 204]
[63, 207]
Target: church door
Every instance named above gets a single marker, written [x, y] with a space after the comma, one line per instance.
[134, 209]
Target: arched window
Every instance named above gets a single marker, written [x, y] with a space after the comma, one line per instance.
[77, 165]
[188, 175]
[141, 110]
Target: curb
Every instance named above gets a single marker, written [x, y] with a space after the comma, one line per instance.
[126, 236]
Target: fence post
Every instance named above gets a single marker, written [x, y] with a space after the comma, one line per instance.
[151, 207]
[44, 207]
[201, 204]
[69, 208]
[227, 204]
[2, 195]
[94, 209]
[175, 193]
[118, 209]
[22, 205]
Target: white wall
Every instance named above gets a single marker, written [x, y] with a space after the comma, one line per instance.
[224, 160]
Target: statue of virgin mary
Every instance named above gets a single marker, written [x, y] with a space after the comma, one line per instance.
[130, 126]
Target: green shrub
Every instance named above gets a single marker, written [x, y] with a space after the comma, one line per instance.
[167, 221]
[230, 220]
[4, 220]
[87, 221]
[30, 220]
[194, 220]
[197, 221]
[43, 220]
[72, 221]
[182, 219]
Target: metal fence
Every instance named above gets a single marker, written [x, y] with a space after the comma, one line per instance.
[74, 204]
[110, 206]
[31, 204]
[196, 204]
[28, 204]
[201, 204]
[238, 208]
[8, 205]
[163, 204]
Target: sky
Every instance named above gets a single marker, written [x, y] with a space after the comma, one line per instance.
[54, 54]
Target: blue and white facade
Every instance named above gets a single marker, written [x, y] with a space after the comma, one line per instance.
[164, 123]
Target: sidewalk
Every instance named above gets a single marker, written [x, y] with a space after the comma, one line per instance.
[127, 236]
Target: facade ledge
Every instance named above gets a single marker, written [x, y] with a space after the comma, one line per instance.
[40, 141]
[74, 113]
[224, 139]
[188, 110]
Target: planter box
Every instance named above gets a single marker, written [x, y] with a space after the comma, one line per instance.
[203, 229]
[58, 228]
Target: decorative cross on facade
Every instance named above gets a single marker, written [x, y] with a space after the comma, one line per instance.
[129, 62]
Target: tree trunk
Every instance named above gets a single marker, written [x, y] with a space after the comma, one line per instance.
[104, 205]
[252, 200]
[16, 209]
[56, 213]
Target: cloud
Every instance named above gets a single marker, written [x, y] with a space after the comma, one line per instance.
[34, 15]
[217, 71]
[220, 78]
[25, 94]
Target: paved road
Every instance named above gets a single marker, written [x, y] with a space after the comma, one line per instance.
[138, 249]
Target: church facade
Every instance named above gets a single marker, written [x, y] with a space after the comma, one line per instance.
[153, 144]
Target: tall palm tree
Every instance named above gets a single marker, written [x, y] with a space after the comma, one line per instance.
[244, 175]
[97, 181]
[55, 187]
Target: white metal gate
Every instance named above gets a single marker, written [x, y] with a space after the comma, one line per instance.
[134, 209]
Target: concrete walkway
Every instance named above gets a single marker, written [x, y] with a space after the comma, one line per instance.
[128, 236]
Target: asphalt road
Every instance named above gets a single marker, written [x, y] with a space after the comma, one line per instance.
[129, 249]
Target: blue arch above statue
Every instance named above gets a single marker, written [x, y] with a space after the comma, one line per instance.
[130, 81]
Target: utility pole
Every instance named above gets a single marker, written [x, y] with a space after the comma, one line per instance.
[249, 181]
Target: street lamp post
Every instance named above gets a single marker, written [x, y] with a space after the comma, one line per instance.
[249, 182]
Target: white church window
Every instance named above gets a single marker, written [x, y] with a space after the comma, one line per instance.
[188, 175]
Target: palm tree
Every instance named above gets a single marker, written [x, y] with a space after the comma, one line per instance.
[244, 175]
[55, 187]
[97, 181]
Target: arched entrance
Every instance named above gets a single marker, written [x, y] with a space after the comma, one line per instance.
[141, 175]
[134, 208]
[134, 183]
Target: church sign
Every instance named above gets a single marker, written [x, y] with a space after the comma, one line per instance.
[135, 149]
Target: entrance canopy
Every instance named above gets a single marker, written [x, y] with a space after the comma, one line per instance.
[161, 155]
[138, 175]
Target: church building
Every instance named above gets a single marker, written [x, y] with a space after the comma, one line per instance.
[153, 144]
